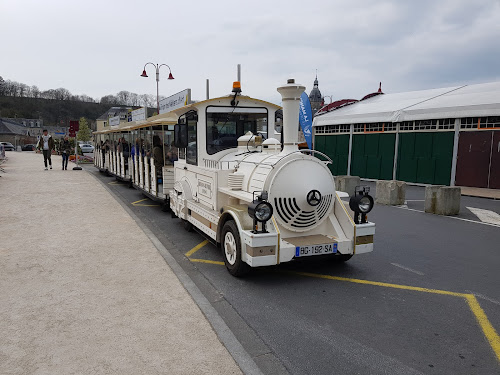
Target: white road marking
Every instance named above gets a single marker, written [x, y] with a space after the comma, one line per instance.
[451, 217]
[483, 297]
[408, 269]
[486, 216]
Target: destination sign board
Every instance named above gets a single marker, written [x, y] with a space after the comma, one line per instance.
[175, 101]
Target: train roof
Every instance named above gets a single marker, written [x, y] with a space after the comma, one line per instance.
[170, 118]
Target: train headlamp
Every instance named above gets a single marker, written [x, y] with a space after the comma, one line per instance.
[361, 203]
[260, 210]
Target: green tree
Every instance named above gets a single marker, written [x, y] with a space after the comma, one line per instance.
[84, 132]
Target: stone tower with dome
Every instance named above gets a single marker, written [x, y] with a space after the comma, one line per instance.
[315, 97]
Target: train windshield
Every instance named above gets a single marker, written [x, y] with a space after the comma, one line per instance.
[226, 124]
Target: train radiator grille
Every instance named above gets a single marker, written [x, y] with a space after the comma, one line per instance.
[291, 214]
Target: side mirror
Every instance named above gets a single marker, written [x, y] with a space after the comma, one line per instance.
[180, 136]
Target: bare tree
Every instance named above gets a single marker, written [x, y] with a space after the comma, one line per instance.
[35, 92]
[134, 99]
[109, 99]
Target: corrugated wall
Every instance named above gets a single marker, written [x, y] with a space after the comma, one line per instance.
[425, 157]
[337, 148]
[373, 155]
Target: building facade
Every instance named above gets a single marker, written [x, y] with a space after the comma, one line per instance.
[315, 97]
[447, 136]
[102, 122]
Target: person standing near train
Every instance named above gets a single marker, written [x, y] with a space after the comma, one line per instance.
[65, 149]
[46, 145]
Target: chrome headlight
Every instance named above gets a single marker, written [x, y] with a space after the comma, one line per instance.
[261, 211]
[361, 203]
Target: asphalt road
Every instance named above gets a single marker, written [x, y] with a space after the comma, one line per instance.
[316, 316]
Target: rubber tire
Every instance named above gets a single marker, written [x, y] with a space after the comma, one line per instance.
[239, 268]
[165, 207]
[187, 225]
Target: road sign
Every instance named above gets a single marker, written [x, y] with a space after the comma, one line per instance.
[75, 125]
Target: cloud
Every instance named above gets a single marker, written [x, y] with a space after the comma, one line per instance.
[100, 48]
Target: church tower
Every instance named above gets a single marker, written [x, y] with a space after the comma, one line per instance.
[315, 97]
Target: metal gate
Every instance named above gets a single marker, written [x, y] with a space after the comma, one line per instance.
[478, 161]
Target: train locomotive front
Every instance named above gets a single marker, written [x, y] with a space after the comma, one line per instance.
[267, 203]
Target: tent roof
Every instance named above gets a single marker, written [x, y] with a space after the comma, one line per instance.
[452, 102]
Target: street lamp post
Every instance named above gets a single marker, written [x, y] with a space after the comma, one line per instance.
[157, 67]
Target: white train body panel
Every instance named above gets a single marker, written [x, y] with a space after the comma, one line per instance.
[224, 184]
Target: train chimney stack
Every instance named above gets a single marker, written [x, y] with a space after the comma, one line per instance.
[290, 94]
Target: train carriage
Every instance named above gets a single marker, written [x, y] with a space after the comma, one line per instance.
[228, 172]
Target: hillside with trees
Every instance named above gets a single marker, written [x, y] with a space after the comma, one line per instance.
[58, 106]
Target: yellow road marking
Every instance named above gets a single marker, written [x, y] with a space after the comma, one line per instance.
[488, 330]
[196, 248]
[136, 203]
[140, 200]
[207, 261]
[377, 283]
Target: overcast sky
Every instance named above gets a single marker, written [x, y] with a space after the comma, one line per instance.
[100, 47]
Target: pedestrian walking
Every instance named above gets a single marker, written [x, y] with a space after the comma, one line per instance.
[65, 149]
[46, 145]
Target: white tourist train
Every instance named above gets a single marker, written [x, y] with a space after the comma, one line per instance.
[221, 166]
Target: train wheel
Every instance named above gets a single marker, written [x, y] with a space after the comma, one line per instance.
[231, 249]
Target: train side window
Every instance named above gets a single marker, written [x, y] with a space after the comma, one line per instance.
[185, 137]
[192, 146]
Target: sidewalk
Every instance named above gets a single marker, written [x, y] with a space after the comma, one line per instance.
[83, 290]
[480, 192]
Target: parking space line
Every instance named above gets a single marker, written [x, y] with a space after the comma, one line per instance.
[488, 330]
[378, 283]
[482, 296]
[404, 207]
[408, 269]
[196, 248]
[137, 203]
[484, 323]
[207, 261]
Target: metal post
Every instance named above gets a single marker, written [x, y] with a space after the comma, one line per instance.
[77, 168]
[349, 157]
[455, 153]
[396, 145]
[157, 90]
[208, 89]
[239, 72]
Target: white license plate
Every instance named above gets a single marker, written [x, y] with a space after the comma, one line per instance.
[305, 251]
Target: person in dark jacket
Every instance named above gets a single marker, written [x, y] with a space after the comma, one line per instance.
[65, 149]
[46, 145]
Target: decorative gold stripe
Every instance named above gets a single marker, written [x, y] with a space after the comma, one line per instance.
[363, 240]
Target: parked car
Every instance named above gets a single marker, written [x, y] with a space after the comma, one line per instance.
[87, 148]
[8, 146]
[28, 147]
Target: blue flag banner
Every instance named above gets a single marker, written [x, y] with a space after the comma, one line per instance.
[305, 118]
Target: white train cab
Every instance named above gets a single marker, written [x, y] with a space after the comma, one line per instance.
[264, 202]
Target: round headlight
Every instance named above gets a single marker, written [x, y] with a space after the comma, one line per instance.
[365, 204]
[263, 211]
